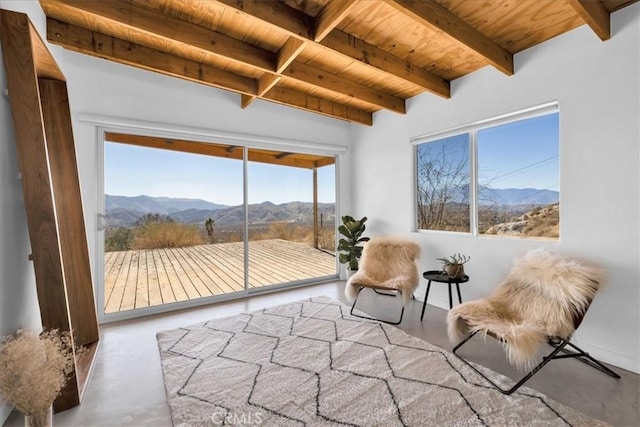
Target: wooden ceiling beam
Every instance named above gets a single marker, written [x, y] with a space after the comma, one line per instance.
[595, 15]
[195, 38]
[246, 100]
[103, 46]
[266, 82]
[320, 105]
[435, 16]
[365, 53]
[146, 22]
[301, 26]
[276, 13]
[330, 16]
[287, 53]
[314, 76]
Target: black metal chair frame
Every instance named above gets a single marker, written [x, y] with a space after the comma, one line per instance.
[558, 345]
[395, 294]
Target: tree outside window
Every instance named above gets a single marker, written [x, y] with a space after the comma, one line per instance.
[443, 184]
[516, 186]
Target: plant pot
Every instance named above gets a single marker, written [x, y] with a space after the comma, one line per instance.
[349, 272]
[455, 270]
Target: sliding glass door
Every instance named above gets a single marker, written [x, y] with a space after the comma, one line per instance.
[190, 222]
[291, 218]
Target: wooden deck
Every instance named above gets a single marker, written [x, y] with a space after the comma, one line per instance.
[143, 278]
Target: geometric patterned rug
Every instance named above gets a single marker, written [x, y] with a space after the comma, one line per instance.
[311, 363]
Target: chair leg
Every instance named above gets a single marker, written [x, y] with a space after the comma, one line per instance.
[584, 357]
[353, 306]
[558, 345]
[383, 293]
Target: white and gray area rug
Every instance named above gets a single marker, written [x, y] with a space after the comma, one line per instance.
[310, 363]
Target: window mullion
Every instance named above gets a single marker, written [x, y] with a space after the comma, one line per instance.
[473, 181]
[245, 196]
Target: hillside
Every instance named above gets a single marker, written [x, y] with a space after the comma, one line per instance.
[539, 222]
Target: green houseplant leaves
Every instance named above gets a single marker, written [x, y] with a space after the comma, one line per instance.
[349, 245]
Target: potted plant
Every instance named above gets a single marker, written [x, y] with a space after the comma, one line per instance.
[454, 265]
[349, 245]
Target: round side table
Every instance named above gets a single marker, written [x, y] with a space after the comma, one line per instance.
[442, 277]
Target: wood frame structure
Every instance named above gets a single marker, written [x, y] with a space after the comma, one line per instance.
[46, 152]
[345, 59]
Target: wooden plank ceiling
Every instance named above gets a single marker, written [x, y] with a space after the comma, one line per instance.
[342, 58]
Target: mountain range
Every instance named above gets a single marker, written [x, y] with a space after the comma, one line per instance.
[123, 211]
[517, 196]
[161, 205]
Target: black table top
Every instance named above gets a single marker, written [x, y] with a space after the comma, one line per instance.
[441, 276]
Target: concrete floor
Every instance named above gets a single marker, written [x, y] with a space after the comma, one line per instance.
[126, 388]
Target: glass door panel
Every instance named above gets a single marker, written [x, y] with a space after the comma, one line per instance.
[174, 221]
[291, 217]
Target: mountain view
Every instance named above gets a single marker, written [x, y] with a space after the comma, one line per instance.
[123, 211]
[513, 211]
[517, 196]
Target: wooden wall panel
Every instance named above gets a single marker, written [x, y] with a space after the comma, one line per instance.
[36, 184]
[51, 194]
[68, 205]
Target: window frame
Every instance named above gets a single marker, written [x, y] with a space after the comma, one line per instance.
[472, 130]
[105, 124]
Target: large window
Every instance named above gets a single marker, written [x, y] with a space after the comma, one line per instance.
[499, 177]
[188, 220]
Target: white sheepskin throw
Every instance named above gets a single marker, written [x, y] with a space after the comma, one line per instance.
[544, 295]
[387, 263]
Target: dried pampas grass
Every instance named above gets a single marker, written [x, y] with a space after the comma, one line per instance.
[34, 368]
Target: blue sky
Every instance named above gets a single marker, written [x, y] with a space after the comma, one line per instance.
[521, 154]
[532, 164]
[132, 171]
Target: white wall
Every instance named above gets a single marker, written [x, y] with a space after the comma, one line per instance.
[597, 86]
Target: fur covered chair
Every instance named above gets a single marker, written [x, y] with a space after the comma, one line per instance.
[542, 300]
[388, 265]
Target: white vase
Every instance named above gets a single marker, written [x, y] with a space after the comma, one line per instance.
[42, 419]
[349, 272]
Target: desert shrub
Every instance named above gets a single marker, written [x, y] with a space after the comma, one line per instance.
[119, 239]
[327, 239]
[152, 217]
[280, 230]
[283, 230]
[234, 236]
[171, 234]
